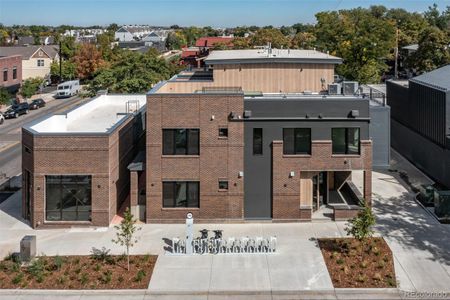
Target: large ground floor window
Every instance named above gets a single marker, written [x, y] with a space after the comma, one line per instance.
[181, 194]
[68, 197]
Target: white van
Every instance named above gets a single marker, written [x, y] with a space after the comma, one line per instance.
[68, 89]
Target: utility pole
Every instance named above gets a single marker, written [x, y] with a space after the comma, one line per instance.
[60, 62]
[396, 55]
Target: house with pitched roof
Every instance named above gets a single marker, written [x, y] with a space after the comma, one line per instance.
[36, 60]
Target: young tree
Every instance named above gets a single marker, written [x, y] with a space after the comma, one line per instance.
[360, 227]
[125, 234]
[5, 96]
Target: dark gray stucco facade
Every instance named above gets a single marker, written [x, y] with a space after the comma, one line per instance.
[274, 114]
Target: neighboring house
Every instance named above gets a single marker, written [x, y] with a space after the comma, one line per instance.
[30, 40]
[11, 72]
[255, 135]
[131, 33]
[155, 37]
[420, 122]
[36, 60]
[207, 43]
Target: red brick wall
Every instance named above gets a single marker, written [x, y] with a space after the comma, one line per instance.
[8, 62]
[219, 158]
[286, 190]
[103, 157]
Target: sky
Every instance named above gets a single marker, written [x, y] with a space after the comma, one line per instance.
[215, 13]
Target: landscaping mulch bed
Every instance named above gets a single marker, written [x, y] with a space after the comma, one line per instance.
[352, 264]
[78, 272]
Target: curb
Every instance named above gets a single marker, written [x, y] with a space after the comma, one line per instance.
[336, 293]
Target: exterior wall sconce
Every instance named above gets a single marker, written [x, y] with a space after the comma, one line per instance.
[38, 188]
[291, 174]
[99, 186]
[241, 174]
[213, 117]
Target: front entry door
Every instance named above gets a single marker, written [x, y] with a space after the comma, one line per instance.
[320, 190]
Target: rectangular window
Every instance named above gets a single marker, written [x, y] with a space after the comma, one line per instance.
[181, 142]
[257, 141]
[223, 185]
[40, 62]
[223, 132]
[5, 74]
[181, 194]
[296, 141]
[14, 72]
[68, 197]
[345, 140]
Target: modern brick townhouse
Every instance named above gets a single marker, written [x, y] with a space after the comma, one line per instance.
[253, 136]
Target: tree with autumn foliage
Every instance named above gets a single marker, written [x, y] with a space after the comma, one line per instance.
[88, 59]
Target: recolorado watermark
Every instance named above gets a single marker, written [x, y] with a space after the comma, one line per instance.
[425, 295]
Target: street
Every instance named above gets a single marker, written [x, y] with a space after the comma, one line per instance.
[10, 135]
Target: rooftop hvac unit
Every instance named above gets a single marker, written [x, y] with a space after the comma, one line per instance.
[334, 89]
[350, 87]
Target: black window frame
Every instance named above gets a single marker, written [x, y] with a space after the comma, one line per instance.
[347, 150]
[171, 186]
[40, 63]
[14, 72]
[62, 199]
[5, 74]
[293, 149]
[223, 132]
[170, 147]
[258, 143]
[225, 183]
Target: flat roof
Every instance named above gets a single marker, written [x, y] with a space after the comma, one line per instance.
[99, 115]
[266, 56]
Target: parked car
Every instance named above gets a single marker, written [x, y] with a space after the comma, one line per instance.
[16, 110]
[37, 103]
[68, 89]
[2, 118]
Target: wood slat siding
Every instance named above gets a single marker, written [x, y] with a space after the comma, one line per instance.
[266, 78]
[274, 78]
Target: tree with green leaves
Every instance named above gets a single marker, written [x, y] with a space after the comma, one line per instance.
[438, 19]
[126, 234]
[30, 86]
[360, 227]
[270, 35]
[5, 96]
[304, 40]
[68, 70]
[433, 51]
[364, 41]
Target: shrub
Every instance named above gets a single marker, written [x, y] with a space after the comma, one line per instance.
[339, 261]
[361, 278]
[76, 261]
[84, 278]
[381, 264]
[120, 278]
[100, 254]
[377, 277]
[106, 277]
[97, 267]
[62, 279]
[77, 271]
[58, 262]
[139, 276]
[376, 251]
[363, 264]
[37, 269]
[17, 279]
